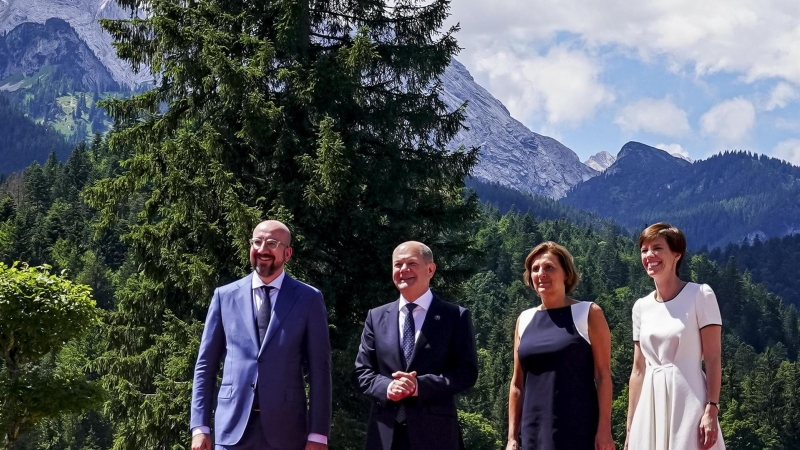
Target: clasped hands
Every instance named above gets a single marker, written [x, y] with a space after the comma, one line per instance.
[403, 385]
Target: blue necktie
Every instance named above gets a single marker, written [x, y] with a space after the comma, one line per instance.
[409, 330]
[264, 314]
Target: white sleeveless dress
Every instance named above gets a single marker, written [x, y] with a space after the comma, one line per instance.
[673, 396]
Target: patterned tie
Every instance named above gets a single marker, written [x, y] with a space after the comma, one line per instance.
[409, 330]
[264, 314]
[408, 334]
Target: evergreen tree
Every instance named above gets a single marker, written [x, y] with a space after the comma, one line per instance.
[322, 114]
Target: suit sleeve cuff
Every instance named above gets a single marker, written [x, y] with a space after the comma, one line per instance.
[314, 437]
[200, 430]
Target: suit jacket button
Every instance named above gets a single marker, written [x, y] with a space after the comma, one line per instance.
[253, 385]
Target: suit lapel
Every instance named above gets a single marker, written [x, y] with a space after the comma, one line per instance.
[244, 302]
[429, 329]
[392, 333]
[287, 297]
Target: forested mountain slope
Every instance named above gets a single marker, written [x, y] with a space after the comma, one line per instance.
[775, 263]
[55, 79]
[726, 198]
[539, 206]
[23, 141]
[51, 224]
[761, 335]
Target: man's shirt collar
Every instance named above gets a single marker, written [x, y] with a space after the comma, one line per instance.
[424, 301]
[276, 283]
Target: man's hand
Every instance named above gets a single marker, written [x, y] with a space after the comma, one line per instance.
[311, 445]
[201, 442]
[404, 384]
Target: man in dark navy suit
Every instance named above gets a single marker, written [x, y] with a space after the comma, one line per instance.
[416, 354]
[265, 327]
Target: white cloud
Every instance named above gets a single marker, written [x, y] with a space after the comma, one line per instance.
[782, 123]
[674, 149]
[788, 150]
[756, 39]
[781, 95]
[560, 87]
[656, 116]
[730, 121]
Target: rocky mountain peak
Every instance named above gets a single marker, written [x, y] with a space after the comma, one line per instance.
[635, 154]
[510, 153]
[31, 47]
[82, 15]
[600, 161]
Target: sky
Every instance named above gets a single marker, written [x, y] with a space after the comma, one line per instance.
[690, 77]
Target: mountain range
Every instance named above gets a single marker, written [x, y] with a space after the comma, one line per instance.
[729, 197]
[642, 184]
[31, 48]
[510, 153]
[82, 15]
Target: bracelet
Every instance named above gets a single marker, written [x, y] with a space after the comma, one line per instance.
[716, 404]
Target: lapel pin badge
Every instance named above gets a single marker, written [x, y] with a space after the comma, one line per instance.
[437, 317]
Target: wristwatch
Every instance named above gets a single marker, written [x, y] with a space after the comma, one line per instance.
[716, 404]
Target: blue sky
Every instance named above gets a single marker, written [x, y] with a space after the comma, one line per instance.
[691, 77]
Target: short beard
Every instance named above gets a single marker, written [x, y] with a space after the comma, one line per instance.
[266, 270]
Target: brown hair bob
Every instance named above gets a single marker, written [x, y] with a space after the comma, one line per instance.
[564, 257]
[676, 241]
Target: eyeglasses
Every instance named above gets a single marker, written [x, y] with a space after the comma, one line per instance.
[269, 244]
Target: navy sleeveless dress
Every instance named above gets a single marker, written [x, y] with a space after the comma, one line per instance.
[559, 410]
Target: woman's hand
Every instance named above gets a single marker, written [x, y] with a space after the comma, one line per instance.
[604, 441]
[708, 430]
[512, 445]
[625, 446]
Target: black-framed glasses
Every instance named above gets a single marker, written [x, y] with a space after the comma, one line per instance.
[269, 244]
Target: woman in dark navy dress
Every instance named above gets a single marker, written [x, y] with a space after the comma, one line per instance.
[560, 396]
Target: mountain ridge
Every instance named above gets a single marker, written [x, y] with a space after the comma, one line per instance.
[29, 47]
[83, 16]
[510, 153]
[729, 197]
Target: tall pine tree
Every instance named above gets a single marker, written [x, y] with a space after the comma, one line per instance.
[322, 114]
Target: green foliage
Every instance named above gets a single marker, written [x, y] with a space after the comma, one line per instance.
[543, 208]
[22, 140]
[52, 77]
[767, 261]
[39, 312]
[726, 198]
[764, 386]
[477, 431]
[325, 116]
[760, 340]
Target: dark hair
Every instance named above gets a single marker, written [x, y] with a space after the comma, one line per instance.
[564, 257]
[676, 241]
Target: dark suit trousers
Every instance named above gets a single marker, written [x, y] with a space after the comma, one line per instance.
[252, 439]
[400, 437]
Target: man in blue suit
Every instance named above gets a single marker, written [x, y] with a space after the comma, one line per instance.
[416, 354]
[266, 327]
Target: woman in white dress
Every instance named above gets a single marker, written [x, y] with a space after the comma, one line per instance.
[672, 404]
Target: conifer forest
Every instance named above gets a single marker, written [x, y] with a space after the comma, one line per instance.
[324, 115]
